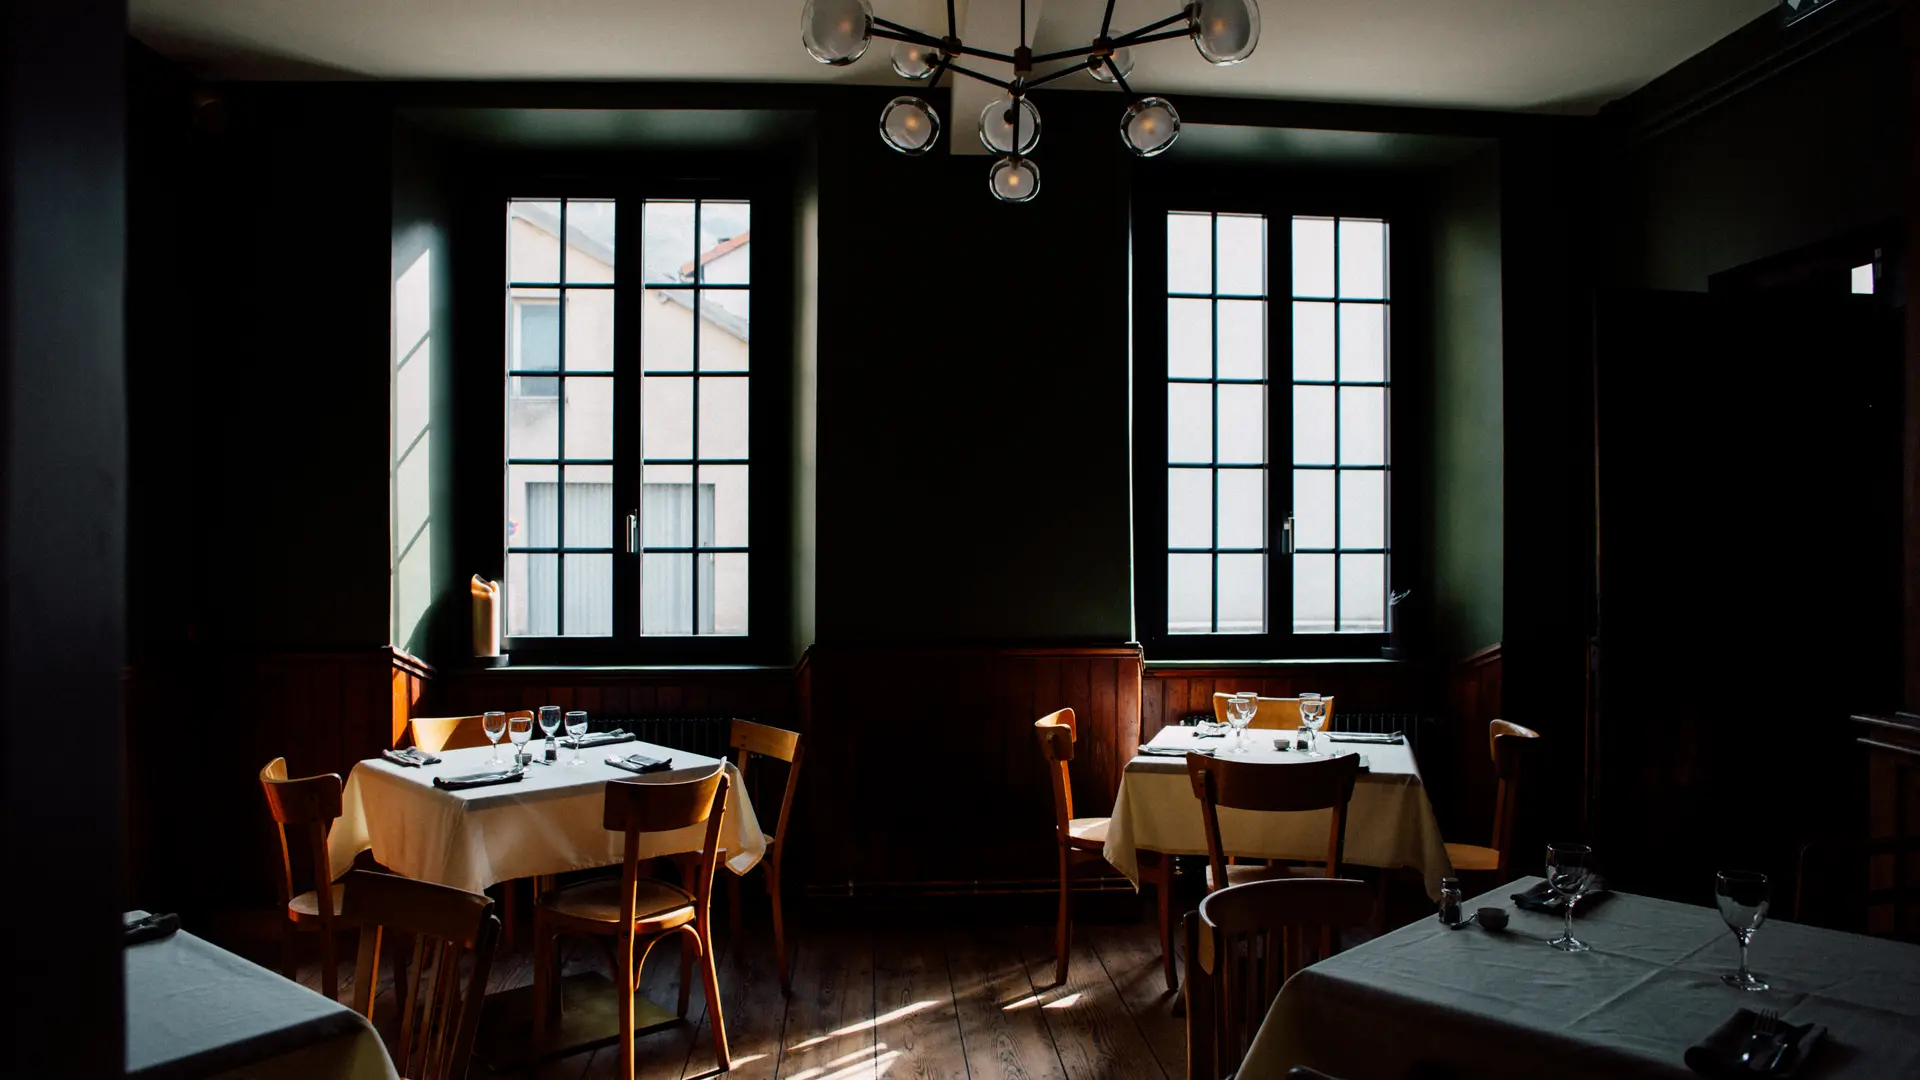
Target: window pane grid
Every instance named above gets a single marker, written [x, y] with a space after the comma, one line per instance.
[574, 487]
[1340, 290]
[690, 498]
[1217, 424]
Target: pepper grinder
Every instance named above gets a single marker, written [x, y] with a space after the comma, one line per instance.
[1450, 913]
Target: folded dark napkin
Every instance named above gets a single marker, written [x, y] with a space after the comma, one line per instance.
[412, 757]
[1379, 737]
[1542, 898]
[599, 738]
[640, 763]
[1778, 1054]
[484, 779]
[149, 928]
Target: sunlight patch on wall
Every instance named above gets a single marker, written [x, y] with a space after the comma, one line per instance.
[411, 390]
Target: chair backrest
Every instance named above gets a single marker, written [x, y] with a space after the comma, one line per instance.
[1242, 946]
[440, 1012]
[749, 739]
[1056, 733]
[1860, 886]
[1273, 787]
[1272, 712]
[1510, 745]
[436, 733]
[641, 806]
[308, 805]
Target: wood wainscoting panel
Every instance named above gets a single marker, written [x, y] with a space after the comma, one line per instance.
[922, 768]
[761, 694]
[1176, 690]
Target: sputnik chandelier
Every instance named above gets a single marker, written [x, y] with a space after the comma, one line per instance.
[837, 32]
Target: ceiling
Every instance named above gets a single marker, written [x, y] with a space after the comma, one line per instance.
[1539, 55]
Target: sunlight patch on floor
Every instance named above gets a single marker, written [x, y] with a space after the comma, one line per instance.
[864, 1025]
[1031, 999]
[1067, 1002]
[846, 1067]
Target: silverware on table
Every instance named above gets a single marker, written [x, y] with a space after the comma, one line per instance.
[1766, 1027]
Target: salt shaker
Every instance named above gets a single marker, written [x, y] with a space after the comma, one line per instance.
[553, 750]
[1450, 902]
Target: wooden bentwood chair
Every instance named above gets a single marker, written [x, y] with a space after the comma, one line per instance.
[752, 739]
[309, 805]
[436, 733]
[440, 1012]
[1271, 787]
[628, 917]
[1510, 745]
[1079, 843]
[1273, 712]
[1242, 946]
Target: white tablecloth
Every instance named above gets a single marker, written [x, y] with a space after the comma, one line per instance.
[197, 1010]
[1390, 823]
[548, 823]
[1505, 1005]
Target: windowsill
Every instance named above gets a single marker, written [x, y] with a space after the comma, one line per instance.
[1303, 661]
[620, 669]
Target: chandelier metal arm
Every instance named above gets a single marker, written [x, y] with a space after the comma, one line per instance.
[1106, 21]
[1164, 35]
[1061, 74]
[893, 31]
[1064, 54]
[1118, 77]
[972, 74]
[1132, 37]
[953, 24]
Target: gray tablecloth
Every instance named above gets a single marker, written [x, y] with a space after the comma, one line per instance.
[197, 1010]
[1486, 1004]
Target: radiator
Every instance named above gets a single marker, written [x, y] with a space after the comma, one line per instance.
[694, 734]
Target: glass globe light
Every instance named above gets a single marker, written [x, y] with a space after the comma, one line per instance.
[909, 125]
[1149, 126]
[836, 32]
[996, 126]
[912, 60]
[1122, 58]
[1014, 179]
[1225, 31]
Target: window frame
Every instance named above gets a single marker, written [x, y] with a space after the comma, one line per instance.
[632, 180]
[1279, 200]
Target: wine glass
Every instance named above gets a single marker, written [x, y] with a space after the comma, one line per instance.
[495, 725]
[1743, 898]
[1569, 871]
[549, 720]
[576, 727]
[1240, 710]
[520, 731]
[1313, 713]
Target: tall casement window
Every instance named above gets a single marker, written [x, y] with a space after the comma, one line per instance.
[628, 453]
[1266, 397]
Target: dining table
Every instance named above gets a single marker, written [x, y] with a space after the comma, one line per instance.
[193, 1009]
[1390, 822]
[549, 821]
[1486, 1003]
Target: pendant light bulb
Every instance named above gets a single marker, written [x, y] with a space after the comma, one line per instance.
[997, 121]
[1014, 179]
[909, 125]
[1149, 126]
[1122, 59]
[1225, 31]
[912, 60]
[836, 32]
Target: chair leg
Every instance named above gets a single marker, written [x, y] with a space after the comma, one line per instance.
[289, 951]
[779, 928]
[546, 982]
[1064, 929]
[623, 978]
[1163, 899]
[711, 975]
[686, 978]
[329, 963]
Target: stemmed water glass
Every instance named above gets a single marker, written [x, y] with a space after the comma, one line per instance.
[576, 727]
[549, 720]
[520, 732]
[1313, 713]
[495, 726]
[1570, 872]
[1240, 710]
[1744, 898]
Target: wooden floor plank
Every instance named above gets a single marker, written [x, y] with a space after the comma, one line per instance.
[830, 1031]
[1091, 1027]
[753, 1006]
[916, 1028]
[1003, 1036]
[1132, 963]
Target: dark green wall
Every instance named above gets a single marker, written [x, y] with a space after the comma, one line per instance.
[1467, 449]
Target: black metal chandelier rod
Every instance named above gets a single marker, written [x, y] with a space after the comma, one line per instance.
[1105, 46]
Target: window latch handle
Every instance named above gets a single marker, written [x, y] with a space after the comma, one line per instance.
[633, 534]
[1286, 535]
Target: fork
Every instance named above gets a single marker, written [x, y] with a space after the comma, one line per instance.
[1766, 1027]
